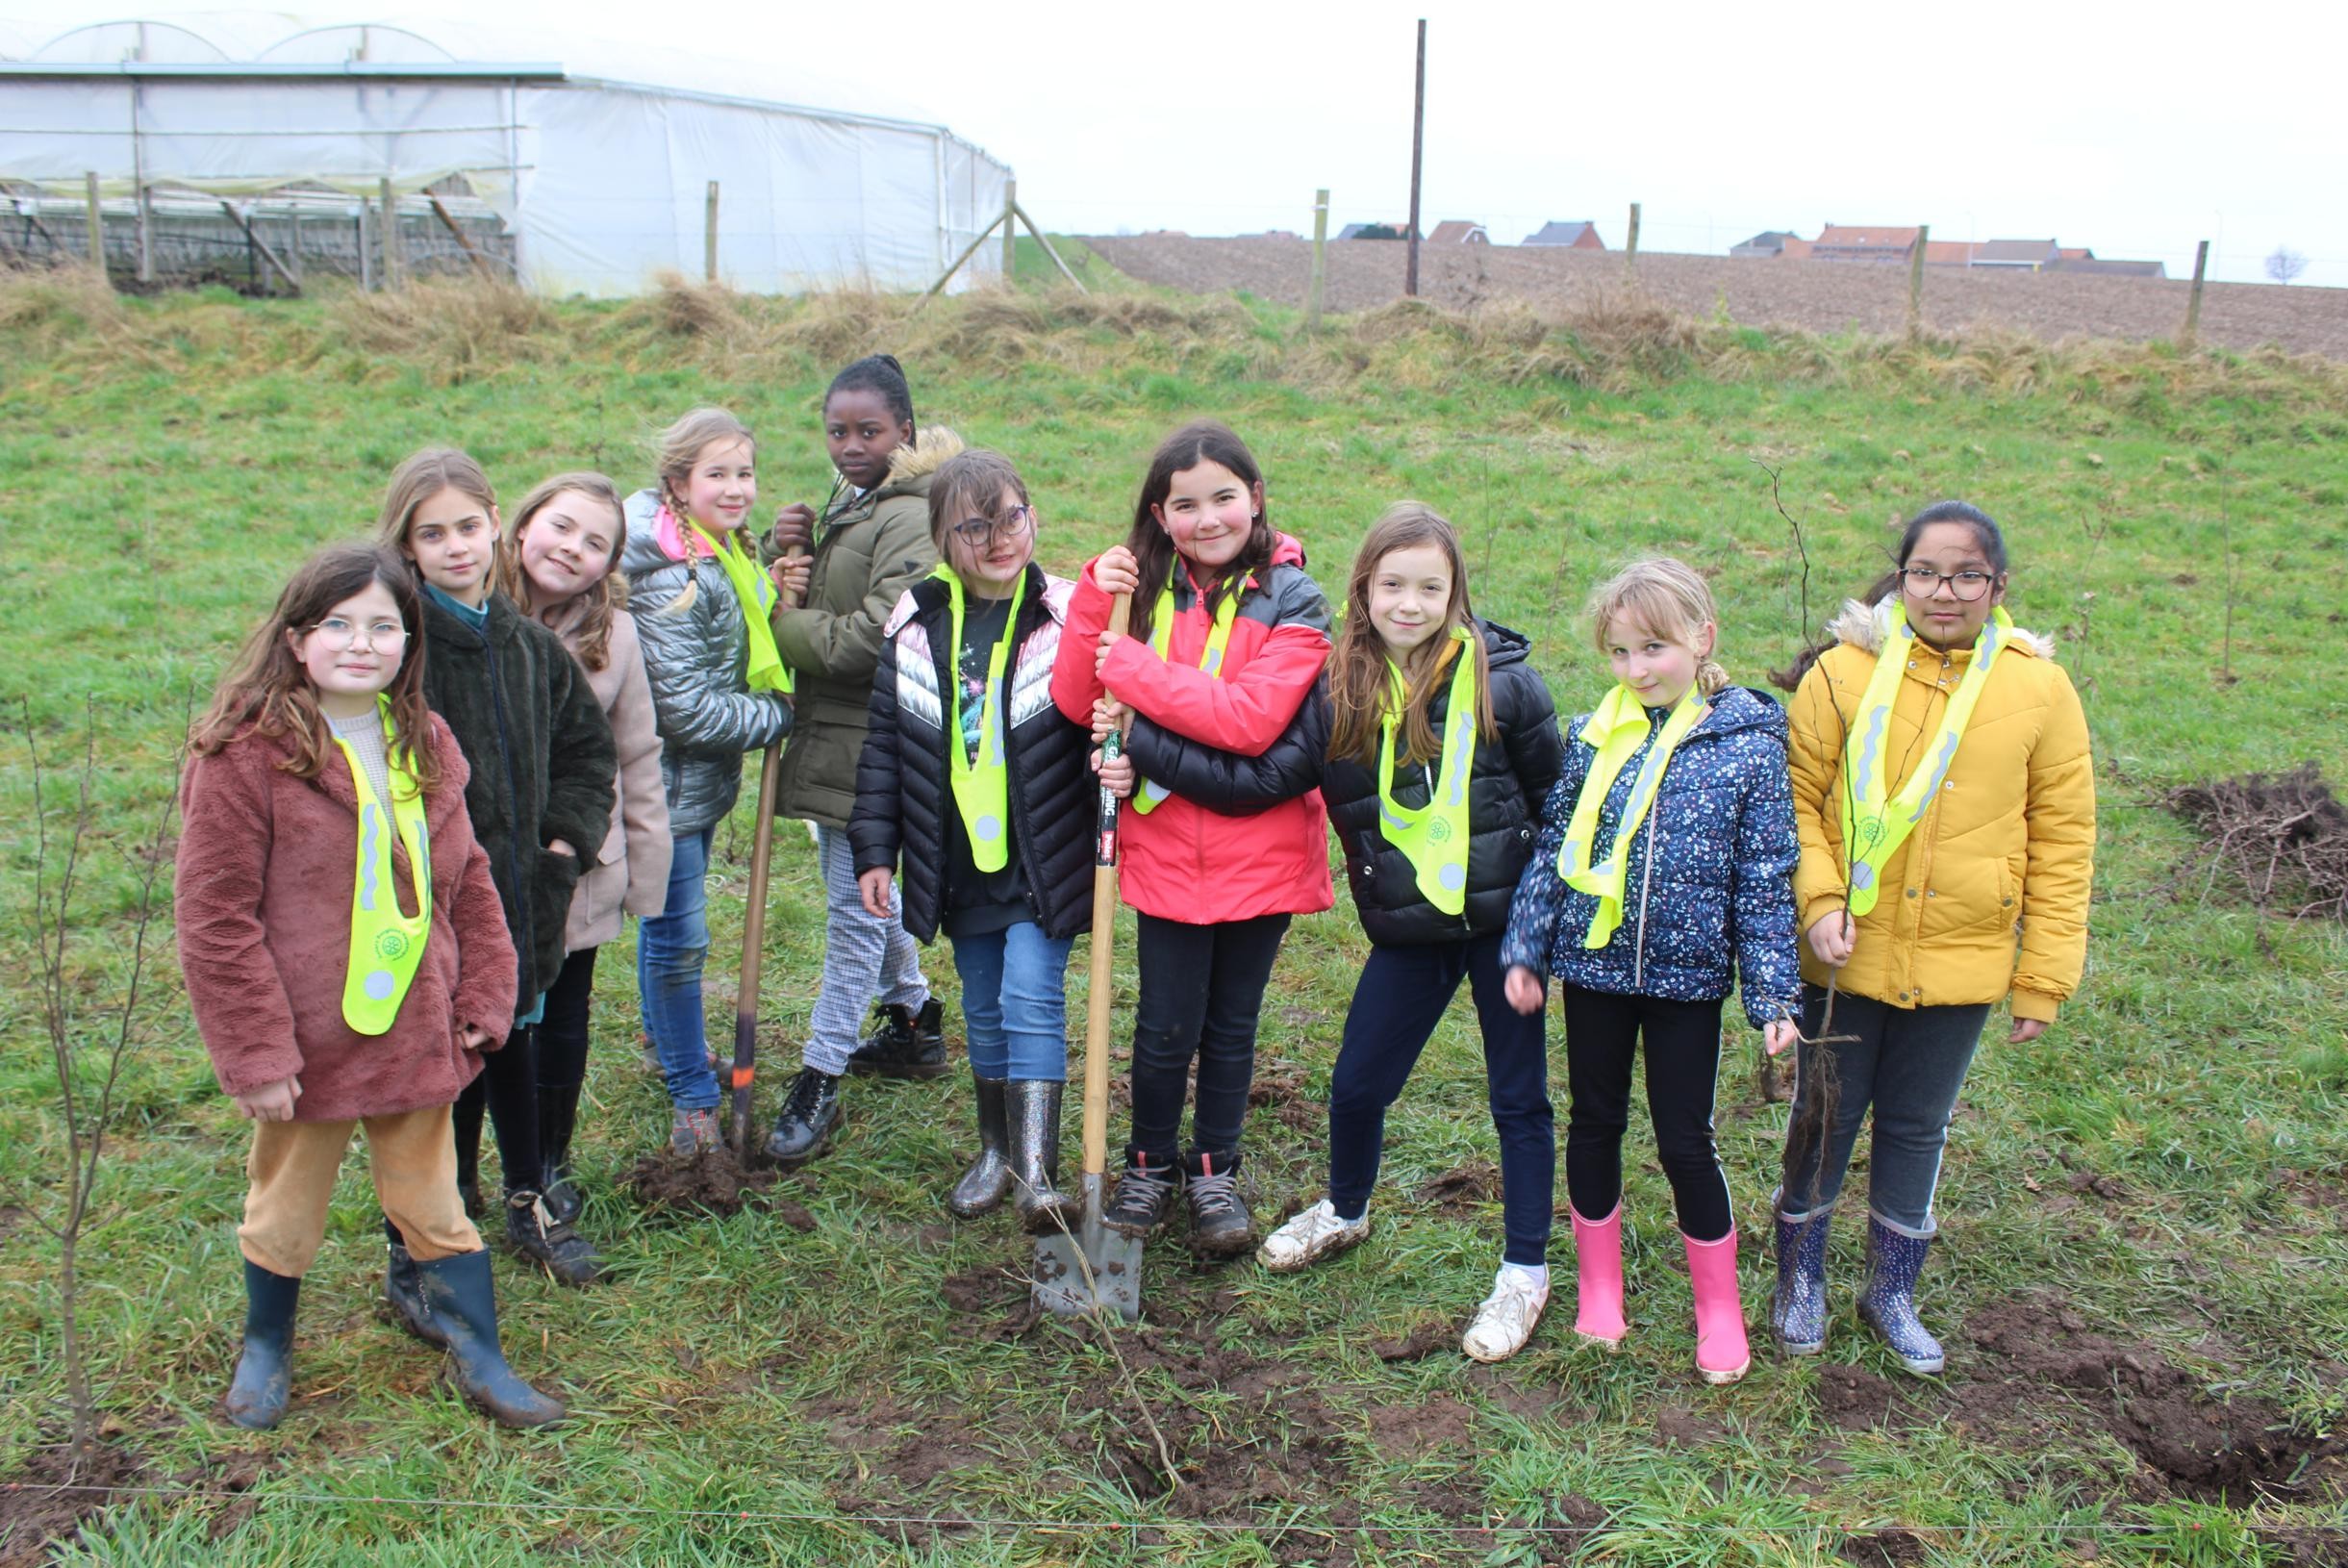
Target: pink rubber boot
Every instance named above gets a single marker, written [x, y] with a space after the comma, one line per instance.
[1721, 1354]
[1598, 1265]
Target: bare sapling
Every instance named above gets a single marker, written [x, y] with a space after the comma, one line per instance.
[89, 1037]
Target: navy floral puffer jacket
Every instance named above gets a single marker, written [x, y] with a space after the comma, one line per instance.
[1708, 894]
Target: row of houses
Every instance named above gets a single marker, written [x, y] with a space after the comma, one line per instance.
[1897, 246]
[1461, 230]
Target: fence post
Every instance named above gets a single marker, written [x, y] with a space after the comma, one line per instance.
[1915, 284]
[1418, 133]
[709, 236]
[293, 244]
[1010, 231]
[2192, 307]
[1320, 242]
[97, 224]
[1630, 250]
[146, 234]
[393, 262]
[366, 250]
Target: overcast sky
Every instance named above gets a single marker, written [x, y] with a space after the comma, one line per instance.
[2136, 129]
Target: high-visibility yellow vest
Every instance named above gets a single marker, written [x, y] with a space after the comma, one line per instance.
[1616, 728]
[386, 946]
[981, 784]
[1433, 837]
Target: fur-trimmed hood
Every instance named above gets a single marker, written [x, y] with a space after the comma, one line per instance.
[1865, 626]
[930, 449]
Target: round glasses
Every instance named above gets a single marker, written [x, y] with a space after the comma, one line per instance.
[340, 634]
[1968, 586]
[982, 534]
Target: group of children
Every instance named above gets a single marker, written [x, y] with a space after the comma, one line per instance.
[448, 762]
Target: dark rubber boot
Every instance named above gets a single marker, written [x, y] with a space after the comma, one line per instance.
[1033, 1111]
[983, 1185]
[558, 1118]
[903, 1043]
[534, 1232]
[1144, 1194]
[1888, 1302]
[810, 1117]
[403, 1291]
[1798, 1309]
[1220, 1223]
[264, 1371]
[465, 1304]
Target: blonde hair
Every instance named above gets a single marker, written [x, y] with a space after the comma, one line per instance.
[674, 451]
[1358, 678]
[418, 480]
[1668, 599]
[601, 598]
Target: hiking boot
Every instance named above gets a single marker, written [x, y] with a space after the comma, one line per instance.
[1888, 1302]
[463, 1305]
[693, 1132]
[983, 1185]
[264, 1380]
[1798, 1306]
[1311, 1236]
[810, 1117]
[537, 1234]
[1220, 1223]
[1144, 1192]
[1032, 1117]
[903, 1043]
[1508, 1315]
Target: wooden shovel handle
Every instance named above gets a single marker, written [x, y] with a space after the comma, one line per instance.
[1097, 990]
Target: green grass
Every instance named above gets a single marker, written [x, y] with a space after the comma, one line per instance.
[743, 1385]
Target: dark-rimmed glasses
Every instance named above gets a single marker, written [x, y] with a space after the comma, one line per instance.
[982, 533]
[1968, 586]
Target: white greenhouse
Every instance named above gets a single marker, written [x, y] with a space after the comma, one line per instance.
[581, 175]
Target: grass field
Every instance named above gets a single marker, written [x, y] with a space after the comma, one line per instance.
[2144, 1277]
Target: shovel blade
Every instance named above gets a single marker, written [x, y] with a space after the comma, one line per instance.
[1091, 1269]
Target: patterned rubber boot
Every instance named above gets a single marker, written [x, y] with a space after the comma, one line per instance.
[1798, 1306]
[1888, 1302]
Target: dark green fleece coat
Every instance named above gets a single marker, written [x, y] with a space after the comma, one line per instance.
[541, 758]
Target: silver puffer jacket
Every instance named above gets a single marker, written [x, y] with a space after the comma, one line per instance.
[694, 656]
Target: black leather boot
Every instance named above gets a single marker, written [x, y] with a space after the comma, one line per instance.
[903, 1043]
[532, 1231]
[264, 1370]
[983, 1185]
[810, 1117]
[1033, 1107]
[558, 1117]
[464, 1303]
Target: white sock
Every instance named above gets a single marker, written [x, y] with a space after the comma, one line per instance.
[1532, 1274]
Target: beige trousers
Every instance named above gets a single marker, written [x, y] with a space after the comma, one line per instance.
[412, 1157]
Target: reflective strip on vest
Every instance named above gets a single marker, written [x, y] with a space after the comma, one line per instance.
[981, 785]
[386, 946]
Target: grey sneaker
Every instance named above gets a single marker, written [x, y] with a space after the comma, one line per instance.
[691, 1132]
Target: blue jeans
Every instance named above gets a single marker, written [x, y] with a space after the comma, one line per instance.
[1015, 1002]
[1907, 1064]
[670, 950]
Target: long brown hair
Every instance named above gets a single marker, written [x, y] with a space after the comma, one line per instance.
[418, 480]
[1358, 664]
[601, 598]
[1202, 440]
[268, 692]
[674, 453]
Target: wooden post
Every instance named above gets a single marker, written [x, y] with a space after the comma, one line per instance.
[968, 252]
[366, 252]
[1915, 284]
[1010, 230]
[2192, 307]
[709, 236]
[97, 223]
[1042, 239]
[1418, 133]
[146, 234]
[252, 237]
[293, 243]
[472, 252]
[1630, 248]
[393, 261]
[1321, 243]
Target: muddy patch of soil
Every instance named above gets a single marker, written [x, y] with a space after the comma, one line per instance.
[1424, 1338]
[1683, 1426]
[1884, 1549]
[693, 1186]
[1439, 1424]
[1856, 1399]
[898, 1449]
[2204, 1447]
[1284, 1095]
[999, 1298]
[1458, 1192]
[48, 1497]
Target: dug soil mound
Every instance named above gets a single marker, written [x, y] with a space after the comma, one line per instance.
[689, 1186]
[2280, 840]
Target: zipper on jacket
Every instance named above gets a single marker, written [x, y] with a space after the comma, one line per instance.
[1646, 879]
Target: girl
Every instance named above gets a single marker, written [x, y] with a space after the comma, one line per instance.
[328, 997]
[979, 785]
[873, 544]
[556, 562]
[1445, 746]
[1227, 637]
[1946, 799]
[719, 689]
[541, 764]
[1665, 851]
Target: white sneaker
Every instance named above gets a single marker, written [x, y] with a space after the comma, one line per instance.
[1311, 1236]
[1506, 1318]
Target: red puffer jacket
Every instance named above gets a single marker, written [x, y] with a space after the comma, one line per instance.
[1182, 861]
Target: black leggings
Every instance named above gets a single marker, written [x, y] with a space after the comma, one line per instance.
[1603, 1031]
[1202, 989]
[561, 1031]
[507, 1089]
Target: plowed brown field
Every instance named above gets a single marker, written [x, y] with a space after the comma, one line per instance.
[1816, 296]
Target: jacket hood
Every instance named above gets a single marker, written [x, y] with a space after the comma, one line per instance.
[1739, 708]
[1287, 549]
[1865, 627]
[908, 466]
[1503, 645]
[642, 551]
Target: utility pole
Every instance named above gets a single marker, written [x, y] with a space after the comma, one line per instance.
[1418, 133]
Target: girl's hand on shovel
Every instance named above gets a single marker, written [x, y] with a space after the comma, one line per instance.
[879, 901]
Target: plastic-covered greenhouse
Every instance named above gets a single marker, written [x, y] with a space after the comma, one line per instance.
[579, 175]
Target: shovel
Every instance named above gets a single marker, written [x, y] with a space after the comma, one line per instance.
[753, 951]
[1092, 1269]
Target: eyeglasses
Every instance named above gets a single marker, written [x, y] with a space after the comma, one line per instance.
[341, 634]
[1968, 586]
[984, 534]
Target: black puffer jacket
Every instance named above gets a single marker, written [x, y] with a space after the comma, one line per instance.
[902, 776]
[542, 760]
[1505, 789]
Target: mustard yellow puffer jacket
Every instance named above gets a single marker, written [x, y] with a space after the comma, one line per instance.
[1989, 897]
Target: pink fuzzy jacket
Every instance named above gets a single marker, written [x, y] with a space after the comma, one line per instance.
[262, 897]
